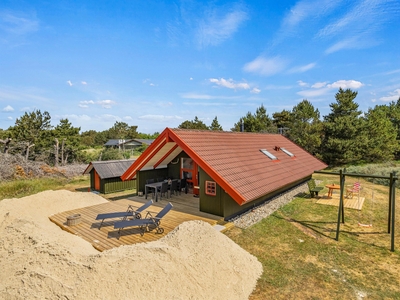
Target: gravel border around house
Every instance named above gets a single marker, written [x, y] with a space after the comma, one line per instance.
[262, 211]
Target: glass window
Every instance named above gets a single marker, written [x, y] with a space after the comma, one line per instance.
[187, 163]
[211, 188]
[270, 155]
[287, 152]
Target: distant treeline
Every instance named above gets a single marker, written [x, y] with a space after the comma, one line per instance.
[345, 136]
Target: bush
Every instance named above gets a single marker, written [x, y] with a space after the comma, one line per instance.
[383, 169]
[111, 154]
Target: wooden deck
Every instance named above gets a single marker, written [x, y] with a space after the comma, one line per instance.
[185, 209]
[353, 203]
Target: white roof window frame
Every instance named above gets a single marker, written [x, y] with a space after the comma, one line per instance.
[268, 154]
[287, 152]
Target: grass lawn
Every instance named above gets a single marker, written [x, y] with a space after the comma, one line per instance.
[297, 246]
[302, 259]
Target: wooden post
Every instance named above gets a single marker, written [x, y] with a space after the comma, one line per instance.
[393, 178]
[341, 210]
[390, 201]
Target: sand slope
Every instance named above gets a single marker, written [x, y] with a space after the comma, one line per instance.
[38, 260]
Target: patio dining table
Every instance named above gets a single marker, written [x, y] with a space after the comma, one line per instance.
[332, 187]
[152, 186]
[155, 186]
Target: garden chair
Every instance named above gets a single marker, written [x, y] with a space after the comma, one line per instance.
[132, 211]
[313, 188]
[354, 189]
[145, 223]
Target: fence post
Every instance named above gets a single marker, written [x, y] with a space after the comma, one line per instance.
[390, 201]
[341, 210]
[393, 178]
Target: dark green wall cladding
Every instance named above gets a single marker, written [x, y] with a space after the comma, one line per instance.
[210, 204]
[142, 176]
[223, 205]
[111, 185]
[232, 208]
[171, 172]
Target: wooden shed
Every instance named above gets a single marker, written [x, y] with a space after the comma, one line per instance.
[231, 172]
[105, 176]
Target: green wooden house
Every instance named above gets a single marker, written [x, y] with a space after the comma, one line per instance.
[231, 172]
[105, 176]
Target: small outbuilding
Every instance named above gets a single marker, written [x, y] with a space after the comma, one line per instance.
[105, 176]
[231, 172]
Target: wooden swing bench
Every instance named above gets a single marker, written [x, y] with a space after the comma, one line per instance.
[313, 188]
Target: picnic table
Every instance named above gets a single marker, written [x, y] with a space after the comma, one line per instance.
[332, 187]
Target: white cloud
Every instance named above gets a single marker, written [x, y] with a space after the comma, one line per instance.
[160, 118]
[319, 85]
[265, 66]
[191, 78]
[215, 28]
[205, 96]
[127, 118]
[84, 82]
[73, 117]
[230, 84]
[302, 83]
[322, 88]
[8, 108]
[19, 25]
[69, 83]
[352, 43]
[106, 103]
[255, 91]
[346, 84]
[358, 26]
[10, 118]
[302, 69]
[393, 96]
[87, 102]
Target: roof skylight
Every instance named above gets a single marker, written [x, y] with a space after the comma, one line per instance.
[270, 155]
[287, 152]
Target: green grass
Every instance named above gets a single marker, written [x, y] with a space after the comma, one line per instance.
[302, 260]
[25, 187]
[296, 245]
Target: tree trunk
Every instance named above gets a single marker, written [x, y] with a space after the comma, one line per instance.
[66, 159]
[63, 159]
[27, 150]
[56, 152]
[6, 143]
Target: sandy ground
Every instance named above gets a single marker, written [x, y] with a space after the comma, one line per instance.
[38, 260]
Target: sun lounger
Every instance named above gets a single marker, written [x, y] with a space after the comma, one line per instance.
[132, 211]
[145, 223]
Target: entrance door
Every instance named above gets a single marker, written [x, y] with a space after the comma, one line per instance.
[189, 170]
[96, 181]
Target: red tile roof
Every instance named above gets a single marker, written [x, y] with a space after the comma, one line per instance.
[233, 159]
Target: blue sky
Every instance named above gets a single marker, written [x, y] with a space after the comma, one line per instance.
[155, 64]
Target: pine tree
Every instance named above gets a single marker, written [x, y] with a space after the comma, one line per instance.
[258, 122]
[215, 125]
[343, 128]
[305, 127]
[195, 124]
[381, 136]
[69, 138]
[33, 129]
